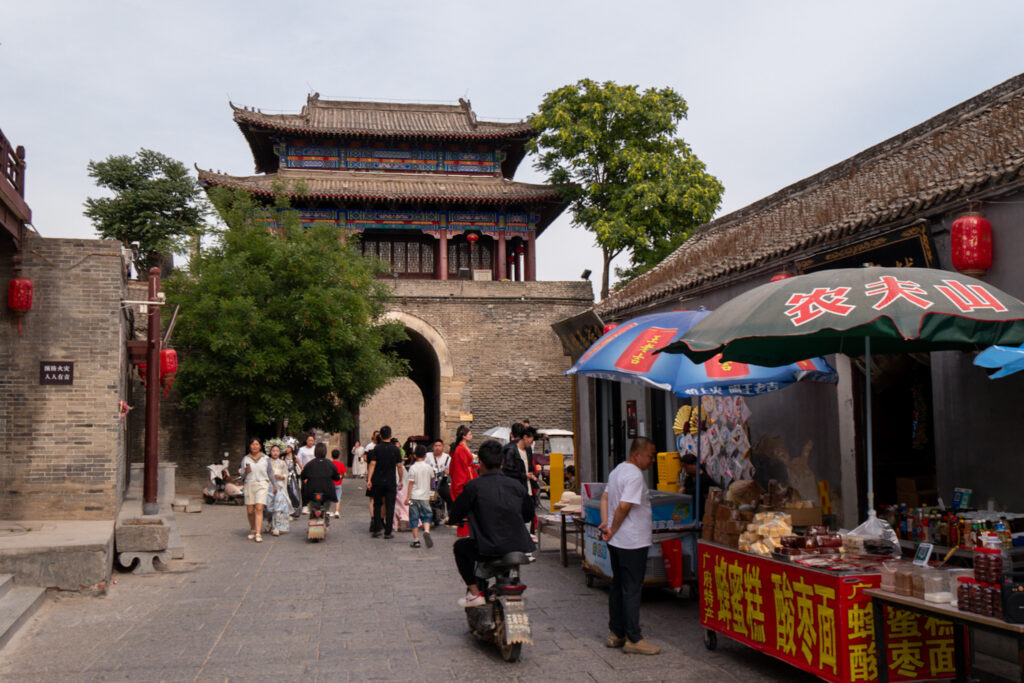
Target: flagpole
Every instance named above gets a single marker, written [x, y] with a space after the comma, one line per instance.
[867, 401]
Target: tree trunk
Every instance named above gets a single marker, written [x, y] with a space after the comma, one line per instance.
[604, 273]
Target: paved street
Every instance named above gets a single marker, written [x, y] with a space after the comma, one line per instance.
[350, 609]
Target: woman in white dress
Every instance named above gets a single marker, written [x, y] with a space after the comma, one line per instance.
[258, 476]
[358, 461]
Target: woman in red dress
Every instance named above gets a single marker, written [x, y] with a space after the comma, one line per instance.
[462, 468]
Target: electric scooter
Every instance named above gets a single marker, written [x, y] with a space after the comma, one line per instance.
[502, 619]
[318, 519]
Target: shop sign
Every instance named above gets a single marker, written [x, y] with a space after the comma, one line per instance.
[820, 623]
[905, 248]
[578, 333]
[56, 372]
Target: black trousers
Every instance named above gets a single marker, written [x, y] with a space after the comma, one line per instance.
[628, 568]
[383, 497]
[466, 557]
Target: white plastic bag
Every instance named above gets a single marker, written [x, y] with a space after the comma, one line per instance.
[877, 537]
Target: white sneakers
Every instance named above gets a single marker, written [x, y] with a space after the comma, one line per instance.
[471, 600]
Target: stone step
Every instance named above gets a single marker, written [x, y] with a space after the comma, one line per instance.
[16, 606]
[6, 583]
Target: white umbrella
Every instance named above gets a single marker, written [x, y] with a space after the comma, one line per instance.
[500, 433]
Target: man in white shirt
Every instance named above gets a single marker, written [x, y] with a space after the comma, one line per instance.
[438, 459]
[626, 528]
[306, 452]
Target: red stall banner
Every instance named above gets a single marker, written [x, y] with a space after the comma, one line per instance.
[817, 621]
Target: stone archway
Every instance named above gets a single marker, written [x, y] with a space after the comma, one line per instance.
[433, 371]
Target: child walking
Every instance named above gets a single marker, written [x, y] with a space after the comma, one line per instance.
[419, 492]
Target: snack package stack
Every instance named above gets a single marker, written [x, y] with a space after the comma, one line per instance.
[728, 525]
[708, 522]
[763, 533]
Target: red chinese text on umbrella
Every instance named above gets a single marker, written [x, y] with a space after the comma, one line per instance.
[807, 306]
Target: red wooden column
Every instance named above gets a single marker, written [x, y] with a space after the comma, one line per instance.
[531, 258]
[442, 255]
[501, 255]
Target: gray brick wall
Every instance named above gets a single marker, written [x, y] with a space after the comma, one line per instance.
[63, 446]
[502, 346]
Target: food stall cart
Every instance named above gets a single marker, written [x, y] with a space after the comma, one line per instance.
[675, 541]
[816, 614]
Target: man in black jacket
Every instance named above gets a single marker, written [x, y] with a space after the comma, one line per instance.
[319, 476]
[517, 457]
[497, 507]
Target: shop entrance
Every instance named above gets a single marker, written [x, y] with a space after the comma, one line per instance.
[903, 434]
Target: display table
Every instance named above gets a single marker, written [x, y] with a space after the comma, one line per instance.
[564, 517]
[962, 621]
[817, 620]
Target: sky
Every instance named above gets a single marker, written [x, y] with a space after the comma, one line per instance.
[777, 91]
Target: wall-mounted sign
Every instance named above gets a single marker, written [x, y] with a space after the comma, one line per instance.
[56, 372]
[909, 247]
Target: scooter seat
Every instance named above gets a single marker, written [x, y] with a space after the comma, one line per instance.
[513, 559]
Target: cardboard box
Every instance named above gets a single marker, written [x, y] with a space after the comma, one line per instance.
[804, 516]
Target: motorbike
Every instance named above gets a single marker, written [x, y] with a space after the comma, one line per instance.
[502, 620]
[221, 488]
[318, 519]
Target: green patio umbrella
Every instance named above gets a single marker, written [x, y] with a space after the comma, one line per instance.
[856, 311]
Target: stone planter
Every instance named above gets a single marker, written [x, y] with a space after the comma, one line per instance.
[141, 534]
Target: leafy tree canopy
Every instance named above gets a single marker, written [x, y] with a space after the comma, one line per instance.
[156, 203]
[613, 152]
[285, 320]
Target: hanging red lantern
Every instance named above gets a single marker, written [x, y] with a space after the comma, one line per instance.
[141, 367]
[781, 276]
[472, 237]
[609, 327]
[520, 249]
[971, 242]
[19, 297]
[168, 368]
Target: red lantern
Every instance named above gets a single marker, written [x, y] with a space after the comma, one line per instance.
[520, 249]
[781, 276]
[971, 241]
[142, 372]
[609, 327]
[472, 237]
[168, 368]
[19, 297]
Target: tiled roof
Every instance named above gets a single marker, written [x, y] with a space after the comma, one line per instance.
[338, 184]
[973, 148]
[383, 119]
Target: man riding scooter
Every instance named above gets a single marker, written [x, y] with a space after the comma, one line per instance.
[319, 476]
[497, 507]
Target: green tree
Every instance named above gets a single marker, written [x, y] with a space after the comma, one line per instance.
[614, 154]
[156, 203]
[286, 321]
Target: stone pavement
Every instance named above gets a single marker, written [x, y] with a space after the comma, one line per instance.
[352, 608]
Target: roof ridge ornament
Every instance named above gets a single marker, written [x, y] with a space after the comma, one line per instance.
[467, 106]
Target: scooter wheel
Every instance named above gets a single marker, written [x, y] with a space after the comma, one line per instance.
[589, 578]
[710, 639]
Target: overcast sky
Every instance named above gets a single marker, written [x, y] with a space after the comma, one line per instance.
[777, 90]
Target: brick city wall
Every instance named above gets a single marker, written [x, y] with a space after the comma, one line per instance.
[507, 361]
[63, 446]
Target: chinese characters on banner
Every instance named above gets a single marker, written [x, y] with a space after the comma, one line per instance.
[819, 622]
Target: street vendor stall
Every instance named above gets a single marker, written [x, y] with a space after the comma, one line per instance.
[815, 614]
[856, 311]
[672, 526]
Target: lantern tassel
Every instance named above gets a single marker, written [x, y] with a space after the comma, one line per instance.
[19, 326]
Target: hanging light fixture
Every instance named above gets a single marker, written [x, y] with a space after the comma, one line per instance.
[168, 368]
[19, 297]
[971, 243]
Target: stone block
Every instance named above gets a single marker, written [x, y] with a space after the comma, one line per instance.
[141, 535]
